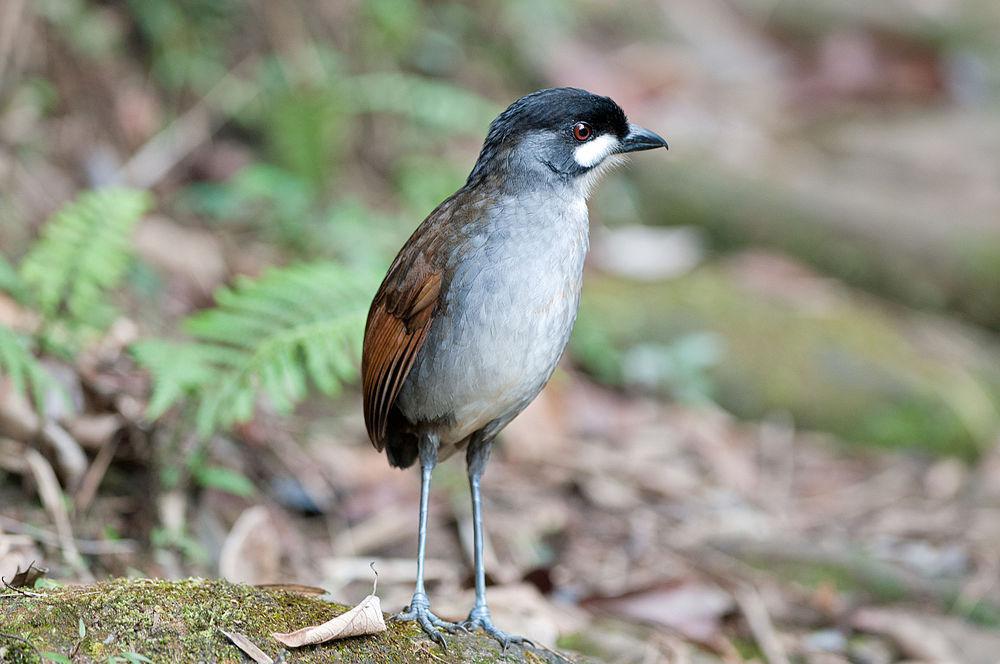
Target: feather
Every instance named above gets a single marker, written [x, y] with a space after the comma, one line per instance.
[397, 326]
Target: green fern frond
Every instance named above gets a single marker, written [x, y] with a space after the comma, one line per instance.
[432, 103]
[178, 369]
[83, 253]
[22, 368]
[272, 337]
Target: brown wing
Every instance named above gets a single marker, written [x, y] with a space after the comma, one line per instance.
[400, 316]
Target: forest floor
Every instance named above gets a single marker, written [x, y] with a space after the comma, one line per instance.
[617, 526]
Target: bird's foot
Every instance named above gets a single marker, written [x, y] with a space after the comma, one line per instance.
[480, 618]
[420, 610]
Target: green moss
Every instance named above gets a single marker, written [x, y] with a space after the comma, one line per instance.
[180, 621]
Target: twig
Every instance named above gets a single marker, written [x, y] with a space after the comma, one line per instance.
[428, 650]
[70, 457]
[19, 591]
[52, 498]
[761, 626]
[95, 474]
[85, 546]
[249, 648]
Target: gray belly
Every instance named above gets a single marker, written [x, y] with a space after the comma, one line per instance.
[505, 321]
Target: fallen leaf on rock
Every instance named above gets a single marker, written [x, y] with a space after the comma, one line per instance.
[364, 619]
[249, 647]
[26, 578]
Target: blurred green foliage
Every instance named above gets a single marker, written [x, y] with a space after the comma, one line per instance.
[79, 260]
[18, 363]
[270, 337]
[10, 282]
[186, 39]
[66, 281]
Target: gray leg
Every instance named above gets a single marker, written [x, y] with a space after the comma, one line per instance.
[477, 456]
[419, 608]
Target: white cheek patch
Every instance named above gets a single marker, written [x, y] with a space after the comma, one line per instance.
[593, 152]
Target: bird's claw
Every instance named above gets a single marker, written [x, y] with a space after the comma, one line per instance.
[420, 611]
[480, 618]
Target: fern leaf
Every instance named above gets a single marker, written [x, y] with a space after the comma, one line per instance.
[179, 368]
[10, 282]
[274, 337]
[21, 367]
[82, 255]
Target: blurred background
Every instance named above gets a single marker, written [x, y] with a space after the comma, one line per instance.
[775, 434]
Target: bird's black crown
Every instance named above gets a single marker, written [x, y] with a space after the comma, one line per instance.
[551, 109]
[556, 108]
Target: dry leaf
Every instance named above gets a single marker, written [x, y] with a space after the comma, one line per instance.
[249, 647]
[365, 618]
[26, 578]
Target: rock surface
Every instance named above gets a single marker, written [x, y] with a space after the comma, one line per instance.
[183, 621]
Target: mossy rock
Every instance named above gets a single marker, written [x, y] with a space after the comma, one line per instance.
[182, 621]
[853, 367]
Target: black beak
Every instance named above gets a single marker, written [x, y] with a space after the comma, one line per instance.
[641, 139]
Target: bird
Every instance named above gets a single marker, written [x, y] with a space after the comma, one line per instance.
[476, 309]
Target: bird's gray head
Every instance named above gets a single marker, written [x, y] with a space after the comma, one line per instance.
[559, 136]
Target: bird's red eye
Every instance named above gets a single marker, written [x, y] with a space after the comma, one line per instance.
[582, 131]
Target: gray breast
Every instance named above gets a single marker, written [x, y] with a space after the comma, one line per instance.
[506, 316]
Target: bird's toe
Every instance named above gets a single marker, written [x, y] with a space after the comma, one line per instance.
[419, 610]
[480, 619]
